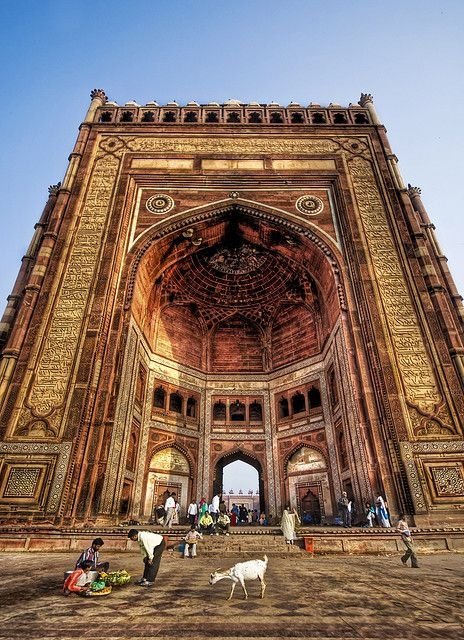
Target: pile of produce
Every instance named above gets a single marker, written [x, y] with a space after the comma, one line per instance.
[98, 588]
[115, 578]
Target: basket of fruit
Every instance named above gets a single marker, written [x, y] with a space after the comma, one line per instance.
[116, 578]
[99, 588]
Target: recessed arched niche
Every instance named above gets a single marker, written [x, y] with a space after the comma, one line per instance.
[247, 298]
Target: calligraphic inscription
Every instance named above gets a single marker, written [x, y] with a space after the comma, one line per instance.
[234, 145]
[412, 359]
[170, 460]
[448, 481]
[306, 460]
[56, 359]
[21, 482]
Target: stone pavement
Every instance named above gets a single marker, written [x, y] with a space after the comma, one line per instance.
[321, 597]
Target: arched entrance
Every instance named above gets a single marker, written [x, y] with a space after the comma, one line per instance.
[309, 485]
[169, 472]
[218, 482]
[235, 317]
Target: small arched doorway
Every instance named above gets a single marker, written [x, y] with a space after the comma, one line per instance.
[169, 471]
[218, 482]
[309, 486]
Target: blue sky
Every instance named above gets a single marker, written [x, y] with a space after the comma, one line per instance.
[408, 54]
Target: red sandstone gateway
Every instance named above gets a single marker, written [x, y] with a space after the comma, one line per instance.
[223, 282]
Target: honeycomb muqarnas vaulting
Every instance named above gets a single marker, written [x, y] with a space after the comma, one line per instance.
[227, 282]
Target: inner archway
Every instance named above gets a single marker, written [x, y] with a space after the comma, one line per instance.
[221, 308]
[226, 478]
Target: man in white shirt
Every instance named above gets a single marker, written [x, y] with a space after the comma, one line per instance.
[215, 508]
[192, 512]
[151, 546]
[170, 508]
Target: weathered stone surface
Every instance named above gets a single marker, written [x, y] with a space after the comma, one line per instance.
[321, 597]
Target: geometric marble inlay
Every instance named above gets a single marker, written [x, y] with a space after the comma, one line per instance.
[448, 481]
[21, 482]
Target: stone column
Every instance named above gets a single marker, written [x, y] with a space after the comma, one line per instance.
[367, 101]
[22, 300]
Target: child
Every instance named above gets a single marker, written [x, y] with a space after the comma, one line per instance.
[70, 584]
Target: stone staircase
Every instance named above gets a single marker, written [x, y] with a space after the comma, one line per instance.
[246, 543]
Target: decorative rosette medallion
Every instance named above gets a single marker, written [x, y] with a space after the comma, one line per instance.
[309, 205]
[160, 203]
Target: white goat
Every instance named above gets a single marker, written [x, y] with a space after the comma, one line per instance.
[250, 570]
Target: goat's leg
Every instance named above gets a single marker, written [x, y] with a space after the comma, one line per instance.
[232, 591]
[263, 586]
[242, 582]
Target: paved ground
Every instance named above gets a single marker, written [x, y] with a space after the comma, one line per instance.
[324, 597]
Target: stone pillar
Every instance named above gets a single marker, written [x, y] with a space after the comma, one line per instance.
[22, 300]
[367, 101]
[98, 99]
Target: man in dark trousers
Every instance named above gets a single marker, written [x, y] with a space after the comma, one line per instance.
[151, 546]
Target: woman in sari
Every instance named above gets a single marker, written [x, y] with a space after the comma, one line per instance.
[288, 524]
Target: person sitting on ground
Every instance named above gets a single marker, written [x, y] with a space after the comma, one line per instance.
[191, 540]
[79, 580]
[223, 523]
[160, 514]
[206, 523]
[92, 554]
[262, 520]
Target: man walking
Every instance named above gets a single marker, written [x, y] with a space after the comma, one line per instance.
[170, 508]
[151, 546]
[406, 538]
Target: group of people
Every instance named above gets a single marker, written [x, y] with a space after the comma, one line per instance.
[376, 513]
[86, 569]
[152, 545]
[213, 517]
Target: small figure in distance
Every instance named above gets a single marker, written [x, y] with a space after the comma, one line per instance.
[206, 524]
[370, 515]
[381, 512]
[170, 508]
[223, 523]
[192, 512]
[345, 512]
[406, 538]
[288, 524]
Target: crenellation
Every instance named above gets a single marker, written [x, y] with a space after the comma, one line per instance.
[232, 113]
